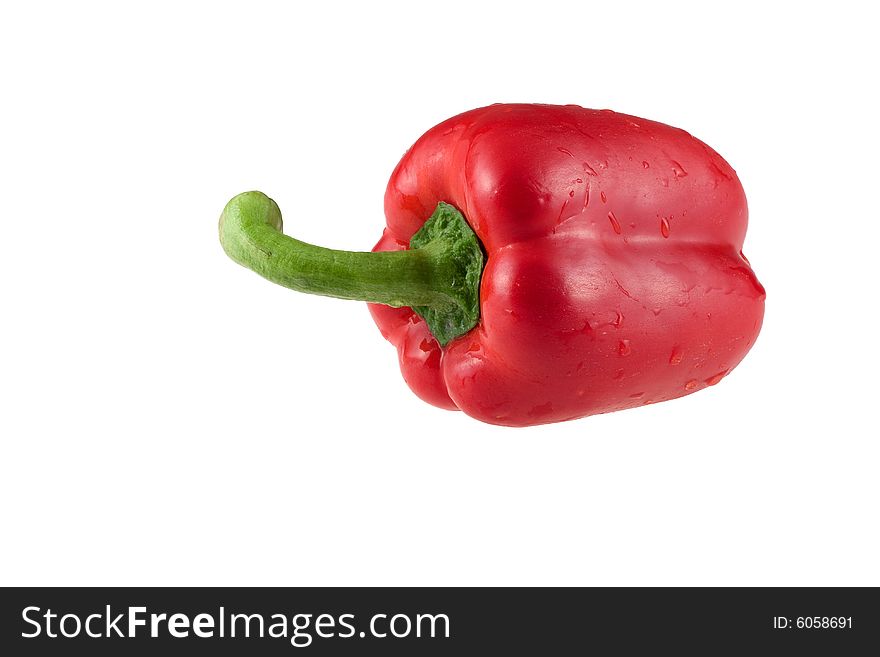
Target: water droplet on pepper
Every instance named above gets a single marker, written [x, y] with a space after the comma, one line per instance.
[615, 224]
[715, 378]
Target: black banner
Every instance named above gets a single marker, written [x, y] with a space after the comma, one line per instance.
[445, 621]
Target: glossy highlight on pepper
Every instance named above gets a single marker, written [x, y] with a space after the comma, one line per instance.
[588, 262]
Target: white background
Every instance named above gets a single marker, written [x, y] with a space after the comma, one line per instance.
[170, 418]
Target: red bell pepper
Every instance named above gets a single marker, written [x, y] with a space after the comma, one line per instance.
[613, 276]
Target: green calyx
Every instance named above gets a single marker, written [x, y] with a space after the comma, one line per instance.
[449, 234]
[438, 277]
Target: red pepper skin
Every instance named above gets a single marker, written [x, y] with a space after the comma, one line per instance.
[614, 274]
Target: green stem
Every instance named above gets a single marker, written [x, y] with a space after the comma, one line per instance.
[438, 277]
